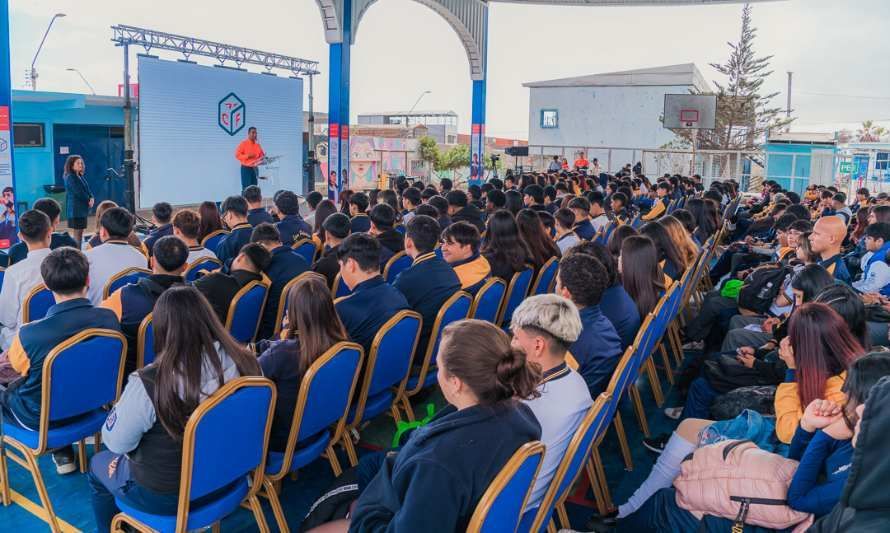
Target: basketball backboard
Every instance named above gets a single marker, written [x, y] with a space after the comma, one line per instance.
[690, 111]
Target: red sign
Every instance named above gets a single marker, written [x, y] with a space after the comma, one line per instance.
[4, 118]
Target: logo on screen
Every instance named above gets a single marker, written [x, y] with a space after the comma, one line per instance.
[231, 114]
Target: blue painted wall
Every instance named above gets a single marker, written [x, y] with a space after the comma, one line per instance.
[35, 167]
[779, 161]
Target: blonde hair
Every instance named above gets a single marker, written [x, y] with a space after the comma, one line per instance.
[681, 239]
[551, 314]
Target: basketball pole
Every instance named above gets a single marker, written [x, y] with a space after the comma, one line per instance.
[694, 142]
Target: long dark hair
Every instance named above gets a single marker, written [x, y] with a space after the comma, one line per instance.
[640, 274]
[513, 202]
[323, 210]
[811, 280]
[532, 231]
[848, 304]
[311, 318]
[479, 354]
[503, 243]
[823, 347]
[210, 220]
[188, 338]
[69, 164]
[664, 245]
[616, 239]
[863, 374]
[706, 217]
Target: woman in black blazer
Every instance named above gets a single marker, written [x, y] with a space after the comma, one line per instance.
[78, 196]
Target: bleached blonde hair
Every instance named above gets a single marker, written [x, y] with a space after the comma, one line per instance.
[552, 314]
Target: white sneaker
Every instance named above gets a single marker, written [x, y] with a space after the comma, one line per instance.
[674, 413]
[65, 464]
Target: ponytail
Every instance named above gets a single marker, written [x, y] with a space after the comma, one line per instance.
[479, 354]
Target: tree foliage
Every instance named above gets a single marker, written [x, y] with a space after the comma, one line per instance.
[744, 115]
[458, 156]
[870, 132]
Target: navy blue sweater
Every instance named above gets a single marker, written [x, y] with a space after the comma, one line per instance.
[436, 480]
[822, 473]
[621, 311]
[286, 264]
[597, 350]
[426, 285]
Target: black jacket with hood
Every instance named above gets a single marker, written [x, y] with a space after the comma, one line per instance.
[865, 502]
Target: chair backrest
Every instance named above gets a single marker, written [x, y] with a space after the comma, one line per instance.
[488, 301]
[546, 277]
[396, 264]
[306, 248]
[282, 300]
[622, 376]
[145, 343]
[642, 344]
[124, 277]
[389, 362]
[340, 289]
[205, 264]
[401, 229]
[516, 292]
[37, 303]
[500, 507]
[325, 392]
[212, 240]
[214, 456]
[82, 374]
[246, 309]
[573, 461]
[455, 308]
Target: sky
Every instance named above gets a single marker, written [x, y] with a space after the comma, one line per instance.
[836, 50]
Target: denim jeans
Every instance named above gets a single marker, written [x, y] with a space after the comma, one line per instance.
[105, 488]
[699, 398]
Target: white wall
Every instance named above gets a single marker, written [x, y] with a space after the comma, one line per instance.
[620, 117]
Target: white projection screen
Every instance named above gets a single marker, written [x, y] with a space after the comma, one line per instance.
[187, 145]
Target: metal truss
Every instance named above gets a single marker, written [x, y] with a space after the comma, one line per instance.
[189, 46]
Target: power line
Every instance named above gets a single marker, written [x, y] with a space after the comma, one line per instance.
[833, 95]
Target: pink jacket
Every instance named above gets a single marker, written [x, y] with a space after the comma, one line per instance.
[737, 480]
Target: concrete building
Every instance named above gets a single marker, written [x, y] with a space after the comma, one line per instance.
[613, 109]
[797, 159]
[441, 125]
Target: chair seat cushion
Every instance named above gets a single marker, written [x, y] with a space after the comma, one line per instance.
[375, 405]
[307, 451]
[199, 517]
[62, 435]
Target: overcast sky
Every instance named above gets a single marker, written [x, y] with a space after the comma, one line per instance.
[836, 49]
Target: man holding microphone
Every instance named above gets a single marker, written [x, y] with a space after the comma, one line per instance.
[250, 154]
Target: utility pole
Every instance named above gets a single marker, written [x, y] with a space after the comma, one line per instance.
[788, 105]
[129, 163]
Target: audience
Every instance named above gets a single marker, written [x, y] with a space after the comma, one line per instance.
[234, 216]
[285, 264]
[187, 227]
[460, 249]
[565, 237]
[220, 288]
[133, 302]
[640, 274]
[161, 214]
[115, 255]
[538, 241]
[144, 431]
[372, 301]
[358, 205]
[504, 249]
[460, 210]
[210, 220]
[383, 219]
[65, 272]
[53, 210]
[291, 225]
[256, 213]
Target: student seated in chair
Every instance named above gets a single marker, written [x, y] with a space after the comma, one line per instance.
[336, 229]
[582, 279]
[161, 213]
[544, 327]
[53, 210]
[429, 281]
[115, 255]
[133, 302]
[436, 480]
[35, 231]
[383, 219]
[186, 226]
[460, 249]
[220, 288]
[311, 328]
[144, 431]
[290, 224]
[256, 213]
[234, 218]
[286, 264]
[66, 273]
[358, 205]
[373, 301]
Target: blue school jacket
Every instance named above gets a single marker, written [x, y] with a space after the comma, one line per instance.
[597, 350]
[436, 480]
[426, 285]
[370, 305]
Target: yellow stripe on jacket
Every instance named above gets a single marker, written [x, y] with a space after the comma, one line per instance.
[18, 357]
[788, 408]
[114, 303]
[657, 209]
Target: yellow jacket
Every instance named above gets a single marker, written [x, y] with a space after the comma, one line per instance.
[788, 408]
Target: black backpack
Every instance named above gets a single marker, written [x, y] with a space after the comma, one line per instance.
[762, 286]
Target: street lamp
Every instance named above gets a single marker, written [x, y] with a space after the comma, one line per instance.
[419, 98]
[39, 48]
[79, 73]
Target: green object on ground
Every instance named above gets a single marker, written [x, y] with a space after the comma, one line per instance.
[731, 289]
[403, 426]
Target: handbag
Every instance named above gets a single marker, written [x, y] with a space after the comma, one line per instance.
[726, 374]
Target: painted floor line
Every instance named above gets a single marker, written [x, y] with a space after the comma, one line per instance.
[38, 511]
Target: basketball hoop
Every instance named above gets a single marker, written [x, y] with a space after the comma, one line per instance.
[689, 117]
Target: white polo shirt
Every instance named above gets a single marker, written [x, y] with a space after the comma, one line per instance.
[108, 259]
[18, 281]
[199, 252]
[563, 402]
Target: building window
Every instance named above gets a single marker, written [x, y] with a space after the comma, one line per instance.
[882, 161]
[451, 139]
[28, 135]
[549, 118]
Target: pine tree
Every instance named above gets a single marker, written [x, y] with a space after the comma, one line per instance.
[744, 116]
